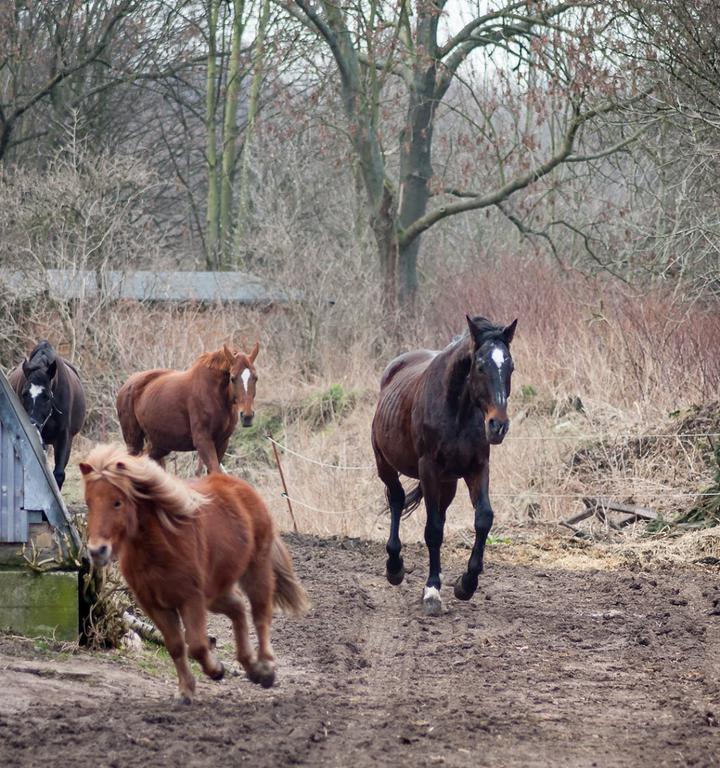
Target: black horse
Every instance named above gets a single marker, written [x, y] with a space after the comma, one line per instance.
[437, 416]
[53, 396]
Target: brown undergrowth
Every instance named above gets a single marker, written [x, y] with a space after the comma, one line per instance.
[598, 369]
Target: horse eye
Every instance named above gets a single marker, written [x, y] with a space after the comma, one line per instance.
[117, 504]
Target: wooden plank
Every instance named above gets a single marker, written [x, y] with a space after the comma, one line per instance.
[616, 506]
[581, 516]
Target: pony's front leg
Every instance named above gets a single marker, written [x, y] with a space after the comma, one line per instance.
[438, 497]
[194, 616]
[168, 622]
[478, 485]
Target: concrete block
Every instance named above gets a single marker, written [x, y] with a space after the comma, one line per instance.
[43, 604]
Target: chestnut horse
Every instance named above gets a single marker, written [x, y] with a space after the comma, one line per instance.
[189, 410]
[437, 416]
[185, 548]
[53, 396]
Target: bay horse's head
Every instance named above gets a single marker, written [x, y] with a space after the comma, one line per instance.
[490, 373]
[37, 392]
[118, 488]
[243, 380]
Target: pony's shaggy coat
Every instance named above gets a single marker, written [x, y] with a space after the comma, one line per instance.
[185, 548]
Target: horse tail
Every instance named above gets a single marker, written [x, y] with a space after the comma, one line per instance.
[289, 595]
[412, 500]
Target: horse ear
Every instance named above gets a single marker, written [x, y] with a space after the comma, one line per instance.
[52, 370]
[228, 354]
[26, 368]
[86, 469]
[474, 330]
[509, 332]
[254, 353]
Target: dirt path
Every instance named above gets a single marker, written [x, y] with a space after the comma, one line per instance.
[543, 668]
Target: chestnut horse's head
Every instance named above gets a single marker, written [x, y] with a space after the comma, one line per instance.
[243, 380]
[112, 516]
[117, 486]
[490, 373]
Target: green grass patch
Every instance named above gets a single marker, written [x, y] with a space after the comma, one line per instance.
[250, 444]
[331, 404]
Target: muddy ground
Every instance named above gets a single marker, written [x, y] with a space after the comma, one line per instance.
[545, 667]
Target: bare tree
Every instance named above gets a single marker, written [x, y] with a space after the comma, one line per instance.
[411, 51]
[42, 47]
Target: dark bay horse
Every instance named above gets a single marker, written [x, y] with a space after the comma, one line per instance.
[52, 394]
[193, 410]
[186, 548]
[437, 416]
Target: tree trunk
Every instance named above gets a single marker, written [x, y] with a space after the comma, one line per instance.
[213, 211]
[415, 174]
[230, 132]
[243, 212]
[384, 226]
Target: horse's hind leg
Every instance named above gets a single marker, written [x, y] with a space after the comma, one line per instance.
[168, 622]
[132, 432]
[394, 567]
[258, 583]
[231, 604]
[194, 618]
[158, 455]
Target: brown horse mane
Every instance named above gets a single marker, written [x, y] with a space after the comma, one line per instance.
[219, 360]
[141, 479]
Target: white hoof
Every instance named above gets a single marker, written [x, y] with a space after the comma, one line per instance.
[432, 602]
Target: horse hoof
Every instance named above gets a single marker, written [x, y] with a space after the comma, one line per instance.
[262, 673]
[460, 592]
[396, 577]
[432, 602]
[220, 672]
[182, 699]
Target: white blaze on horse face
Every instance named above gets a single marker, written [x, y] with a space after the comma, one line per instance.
[498, 356]
[35, 390]
[245, 376]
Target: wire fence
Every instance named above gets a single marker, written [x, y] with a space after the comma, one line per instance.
[528, 494]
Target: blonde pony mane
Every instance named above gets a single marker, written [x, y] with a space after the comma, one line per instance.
[220, 360]
[141, 479]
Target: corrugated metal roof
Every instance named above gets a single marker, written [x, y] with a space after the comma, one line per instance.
[237, 287]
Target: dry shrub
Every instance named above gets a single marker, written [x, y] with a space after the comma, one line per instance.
[591, 359]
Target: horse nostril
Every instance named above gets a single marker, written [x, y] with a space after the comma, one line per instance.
[98, 553]
[493, 424]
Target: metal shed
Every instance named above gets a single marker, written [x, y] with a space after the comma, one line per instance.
[145, 285]
[33, 513]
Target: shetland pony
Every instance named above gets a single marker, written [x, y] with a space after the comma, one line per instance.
[188, 547]
[189, 410]
[436, 418]
[51, 392]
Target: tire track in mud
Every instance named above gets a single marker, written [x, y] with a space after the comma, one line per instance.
[542, 667]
